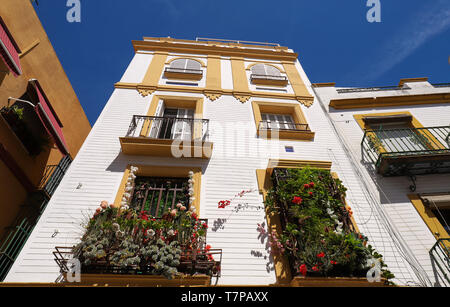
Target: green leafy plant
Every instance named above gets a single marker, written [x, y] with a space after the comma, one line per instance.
[318, 236]
[130, 241]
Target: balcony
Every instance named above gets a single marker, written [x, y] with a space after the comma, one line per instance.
[408, 151]
[285, 131]
[268, 79]
[183, 73]
[167, 137]
[18, 233]
[440, 254]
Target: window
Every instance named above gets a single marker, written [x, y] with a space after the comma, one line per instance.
[286, 119]
[174, 124]
[434, 209]
[157, 195]
[277, 121]
[158, 188]
[267, 75]
[184, 69]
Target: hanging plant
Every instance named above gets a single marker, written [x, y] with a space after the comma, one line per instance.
[318, 235]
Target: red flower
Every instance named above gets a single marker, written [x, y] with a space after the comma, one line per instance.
[204, 225]
[207, 247]
[302, 269]
[224, 203]
[306, 186]
[310, 193]
[333, 262]
[315, 268]
[297, 200]
[321, 255]
[311, 184]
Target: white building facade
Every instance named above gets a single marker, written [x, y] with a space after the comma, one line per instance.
[398, 138]
[223, 92]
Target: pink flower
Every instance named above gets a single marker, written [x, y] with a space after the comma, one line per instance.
[173, 212]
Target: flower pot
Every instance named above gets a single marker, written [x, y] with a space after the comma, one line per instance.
[122, 280]
[301, 281]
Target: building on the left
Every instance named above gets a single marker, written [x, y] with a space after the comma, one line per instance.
[42, 125]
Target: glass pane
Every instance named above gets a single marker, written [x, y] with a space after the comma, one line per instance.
[179, 64]
[191, 64]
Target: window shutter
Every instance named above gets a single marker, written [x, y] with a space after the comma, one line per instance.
[9, 51]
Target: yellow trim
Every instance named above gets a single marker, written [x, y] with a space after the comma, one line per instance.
[192, 47]
[428, 217]
[213, 88]
[162, 171]
[389, 101]
[146, 90]
[186, 57]
[292, 109]
[155, 69]
[414, 124]
[301, 92]
[409, 80]
[240, 81]
[324, 84]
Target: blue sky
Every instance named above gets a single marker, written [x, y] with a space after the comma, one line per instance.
[334, 40]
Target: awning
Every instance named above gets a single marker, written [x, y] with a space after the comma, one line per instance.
[9, 51]
[49, 119]
[436, 201]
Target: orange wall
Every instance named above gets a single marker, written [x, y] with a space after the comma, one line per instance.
[41, 63]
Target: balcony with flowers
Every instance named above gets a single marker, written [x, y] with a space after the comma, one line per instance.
[319, 242]
[135, 245]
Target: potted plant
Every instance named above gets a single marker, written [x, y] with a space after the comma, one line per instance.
[318, 235]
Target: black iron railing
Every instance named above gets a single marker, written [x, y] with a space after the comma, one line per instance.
[268, 77]
[408, 150]
[17, 234]
[183, 70]
[268, 125]
[440, 254]
[169, 128]
[197, 261]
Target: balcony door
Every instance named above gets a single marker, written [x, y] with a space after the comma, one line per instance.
[172, 123]
[277, 121]
[399, 138]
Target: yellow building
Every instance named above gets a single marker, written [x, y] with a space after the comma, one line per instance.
[42, 125]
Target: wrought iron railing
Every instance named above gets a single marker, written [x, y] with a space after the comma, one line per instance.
[169, 128]
[415, 144]
[268, 125]
[17, 234]
[200, 261]
[53, 175]
[268, 77]
[440, 254]
[183, 70]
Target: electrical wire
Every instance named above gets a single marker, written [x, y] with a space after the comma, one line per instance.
[375, 204]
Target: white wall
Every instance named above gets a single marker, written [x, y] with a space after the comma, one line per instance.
[99, 166]
[391, 192]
